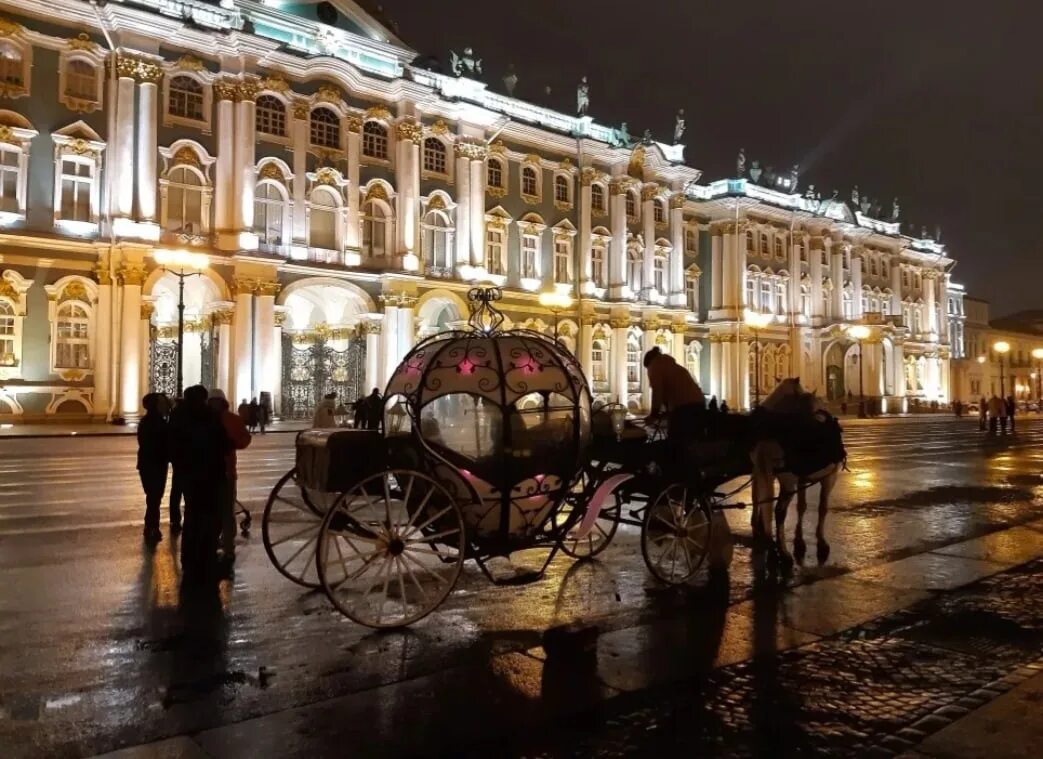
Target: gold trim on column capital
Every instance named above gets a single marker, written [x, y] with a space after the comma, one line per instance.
[410, 130]
[244, 286]
[102, 274]
[267, 287]
[132, 274]
[678, 329]
[619, 322]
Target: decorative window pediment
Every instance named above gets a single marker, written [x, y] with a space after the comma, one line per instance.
[16, 135]
[13, 287]
[16, 60]
[71, 314]
[77, 178]
[188, 97]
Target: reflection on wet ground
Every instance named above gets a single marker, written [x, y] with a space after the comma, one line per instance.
[99, 646]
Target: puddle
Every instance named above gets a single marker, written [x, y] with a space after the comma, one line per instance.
[944, 494]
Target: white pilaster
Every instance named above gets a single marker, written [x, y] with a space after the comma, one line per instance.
[373, 378]
[818, 303]
[280, 318]
[389, 343]
[586, 272]
[896, 289]
[716, 369]
[123, 152]
[463, 209]
[242, 370]
[676, 271]
[352, 239]
[856, 285]
[245, 142]
[224, 354]
[836, 273]
[224, 167]
[103, 345]
[648, 336]
[617, 255]
[648, 231]
[299, 132]
[795, 239]
[716, 272]
[620, 386]
[266, 369]
[586, 348]
[130, 364]
[147, 148]
[477, 208]
[930, 304]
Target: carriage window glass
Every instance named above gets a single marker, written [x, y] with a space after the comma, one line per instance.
[462, 426]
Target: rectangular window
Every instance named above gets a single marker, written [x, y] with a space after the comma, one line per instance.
[597, 265]
[691, 242]
[9, 160]
[494, 175]
[778, 249]
[633, 363]
[597, 360]
[805, 303]
[691, 292]
[494, 251]
[562, 253]
[7, 325]
[780, 298]
[76, 191]
[751, 293]
[529, 253]
[659, 274]
[597, 198]
[766, 296]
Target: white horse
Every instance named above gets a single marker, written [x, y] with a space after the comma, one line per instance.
[769, 464]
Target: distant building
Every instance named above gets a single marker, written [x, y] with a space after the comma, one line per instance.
[983, 370]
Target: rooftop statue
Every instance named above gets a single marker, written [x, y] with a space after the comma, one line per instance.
[465, 64]
[623, 136]
[740, 163]
[794, 177]
[856, 199]
[679, 126]
[896, 210]
[510, 79]
[582, 97]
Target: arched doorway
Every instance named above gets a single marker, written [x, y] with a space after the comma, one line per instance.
[323, 350]
[439, 311]
[834, 372]
[200, 341]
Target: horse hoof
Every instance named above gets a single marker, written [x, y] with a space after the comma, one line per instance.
[785, 561]
[822, 552]
[800, 550]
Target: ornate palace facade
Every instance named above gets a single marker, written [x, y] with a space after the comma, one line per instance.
[346, 196]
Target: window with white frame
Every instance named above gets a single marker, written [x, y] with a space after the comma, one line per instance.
[494, 174]
[597, 264]
[562, 259]
[269, 212]
[375, 224]
[375, 140]
[72, 337]
[751, 291]
[691, 291]
[659, 272]
[750, 248]
[885, 268]
[766, 300]
[437, 241]
[764, 246]
[8, 333]
[529, 183]
[81, 80]
[691, 242]
[13, 69]
[779, 255]
[76, 188]
[597, 198]
[494, 249]
[805, 300]
[780, 297]
[885, 305]
[691, 359]
[659, 212]
[634, 270]
[562, 190]
[184, 201]
[633, 361]
[324, 128]
[599, 361]
[631, 205]
[917, 322]
[530, 251]
[323, 214]
[10, 178]
[434, 156]
[185, 98]
[271, 116]
[846, 304]
[802, 254]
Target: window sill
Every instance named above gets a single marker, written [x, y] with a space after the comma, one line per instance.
[77, 228]
[170, 120]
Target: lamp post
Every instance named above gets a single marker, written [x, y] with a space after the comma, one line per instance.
[1037, 353]
[182, 264]
[756, 321]
[1002, 347]
[860, 332]
[555, 302]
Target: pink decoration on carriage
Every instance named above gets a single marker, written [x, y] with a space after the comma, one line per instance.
[596, 502]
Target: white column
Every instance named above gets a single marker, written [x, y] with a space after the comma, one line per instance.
[266, 369]
[586, 272]
[477, 207]
[586, 348]
[103, 344]
[648, 231]
[148, 147]
[716, 272]
[352, 239]
[896, 290]
[619, 360]
[243, 339]
[280, 319]
[648, 336]
[224, 353]
[143, 342]
[899, 369]
[716, 373]
[299, 127]
[389, 343]
[123, 152]
[945, 393]
[406, 330]
[856, 285]
[224, 167]
[373, 378]
[130, 364]
[407, 176]
[818, 303]
[731, 288]
[617, 256]
[462, 233]
[678, 344]
[193, 352]
[943, 299]
[931, 305]
[245, 139]
[836, 273]
[676, 271]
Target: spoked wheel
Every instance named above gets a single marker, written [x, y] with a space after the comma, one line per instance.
[600, 535]
[675, 535]
[290, 528]
[391, 549]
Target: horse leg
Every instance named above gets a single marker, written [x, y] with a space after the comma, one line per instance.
[800, 548]
[787, 486]
[823, 509]
[763, 495]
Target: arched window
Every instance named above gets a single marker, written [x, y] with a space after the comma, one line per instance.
[659, 273]
[764, 245]
[633, 361]
[691, 242]
[185, 98]
[8, 352]
[269, 213]
[597, 264]
[434, 156]
[184, 203]
[805, 300]
[691, 291]
[529, 184]
[749, 242]
[325, 128]
[437, 240]
[374, 229]
[631, 205]
[659, 211]
[494, 174]
[81, 79]
[375, 140]
[561, 189]
[599, 362]
[12, 66]
[562, 259]
[10, 177]
[767, 291]
[271, 116]
[597, 198]
[751, 291]
[322, 219]
[780, 297]
[72, 347]
[634, 265]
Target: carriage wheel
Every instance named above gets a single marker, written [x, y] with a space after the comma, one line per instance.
[290, 528]
[675, 534]
[391, 549]
[600, 535]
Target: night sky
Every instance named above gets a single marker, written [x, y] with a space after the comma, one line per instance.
[937, 102]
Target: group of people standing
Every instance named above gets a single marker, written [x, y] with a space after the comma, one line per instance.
[197, 437]
[367, 412]
[995, 413]
[255, 415]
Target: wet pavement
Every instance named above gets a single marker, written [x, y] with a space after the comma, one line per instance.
[99, 649]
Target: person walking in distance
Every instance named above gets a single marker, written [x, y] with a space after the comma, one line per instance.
[997, 409]
[244, 411]
[255, 415]
[264, 414]
[983, 414]
[239, 438]
[152, 460]
[1011, 408]
[198, 447]
[374, 410]
[325, 412]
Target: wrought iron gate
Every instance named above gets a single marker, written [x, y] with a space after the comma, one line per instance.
[162, 367]
[312, 370]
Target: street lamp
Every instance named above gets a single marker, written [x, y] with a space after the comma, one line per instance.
[182, 264]
[1002, 347]
[555, 302]
[1037, 353]
[860, 332]
[756, 321]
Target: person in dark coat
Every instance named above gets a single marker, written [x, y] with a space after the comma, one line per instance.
[199, 445]
[1012, 408]
[255, 415]
[374, 410]
[152, 460]
[360, 413]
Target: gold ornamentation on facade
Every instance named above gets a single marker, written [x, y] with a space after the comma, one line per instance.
[563, 205]
[9, 28]
[649, 192]
[248, 90]
[498, 147]
[397, 300]
[677, 200]
[532, 158]
[377, 190]
[496, 192]
[353, 123]
[301, 110]
[636, 167]
[71, 375]
[436, 203]
[566, 164]
[81, 41]
[186, 157]
[80, 146]
[225, 89]
[619, 186]
[475, 151]
[126, 67]
[587, 176]
[275, 83]
[619, 322]
[378, 112]
[271, 170]
[101, 274]
[224, 316]
[132, 274]
[7, 290]
[650, 325]
[146, 311]
[267, 287]
[189, 63]
[440, 128]
[327, 176]
[74, 291]
[327, 93]
[149, 72]
[368, 328]
[7, 136]
[410, 130]
[678, 329]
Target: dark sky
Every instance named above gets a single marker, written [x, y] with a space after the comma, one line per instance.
[937, 102]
